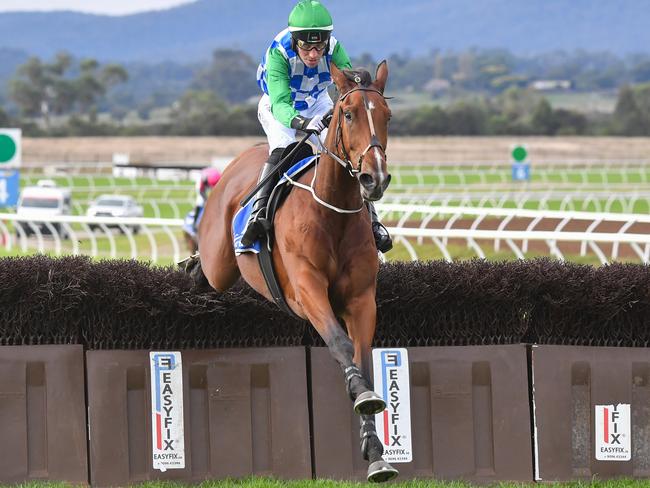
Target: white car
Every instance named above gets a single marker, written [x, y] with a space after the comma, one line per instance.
[38, 203]
[116, 206]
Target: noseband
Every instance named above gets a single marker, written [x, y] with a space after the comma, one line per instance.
[374, 140]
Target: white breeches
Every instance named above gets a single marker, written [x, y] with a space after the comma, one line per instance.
[280, 136]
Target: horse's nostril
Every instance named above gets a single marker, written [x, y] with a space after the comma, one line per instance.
[367, 181]
[386, 182]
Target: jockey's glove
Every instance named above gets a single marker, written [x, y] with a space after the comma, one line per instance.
[314, 125]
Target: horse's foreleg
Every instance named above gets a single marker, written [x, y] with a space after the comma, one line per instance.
[313, 297]
[360, 318]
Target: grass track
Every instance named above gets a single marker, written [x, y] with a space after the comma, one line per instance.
[320, 483]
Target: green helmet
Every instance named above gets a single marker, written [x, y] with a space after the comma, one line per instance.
[309, 21]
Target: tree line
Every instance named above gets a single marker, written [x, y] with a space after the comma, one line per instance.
[66, 96]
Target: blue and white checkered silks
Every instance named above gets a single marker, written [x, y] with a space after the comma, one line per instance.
[242, 216]
[306, 84]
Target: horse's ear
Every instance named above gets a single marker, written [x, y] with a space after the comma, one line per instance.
[339, 78]
[381, 76]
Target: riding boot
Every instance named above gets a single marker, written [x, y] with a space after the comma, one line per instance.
[195, 222]
[383, 240]
[258, 224]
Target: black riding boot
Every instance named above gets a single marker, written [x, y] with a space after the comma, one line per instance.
[258, 224]
[382, 238]
[195, 222]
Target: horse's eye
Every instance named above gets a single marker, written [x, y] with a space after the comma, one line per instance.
[348, 116]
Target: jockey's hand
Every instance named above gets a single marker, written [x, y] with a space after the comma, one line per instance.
[314, 125]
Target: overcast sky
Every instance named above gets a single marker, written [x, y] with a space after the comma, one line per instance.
[110, 7]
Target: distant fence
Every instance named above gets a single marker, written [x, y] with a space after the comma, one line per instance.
[591, 230]
[608, 236]
[628, 201]
[157, 240]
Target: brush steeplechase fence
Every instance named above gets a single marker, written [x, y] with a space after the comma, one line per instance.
[527, 370]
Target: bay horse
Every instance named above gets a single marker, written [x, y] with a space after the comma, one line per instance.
[324, 254]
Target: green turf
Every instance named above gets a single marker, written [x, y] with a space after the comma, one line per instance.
[256, 482]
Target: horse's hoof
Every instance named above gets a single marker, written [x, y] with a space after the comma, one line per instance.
[381, 471]
[369, 403]
[184, 263]
[188, 263]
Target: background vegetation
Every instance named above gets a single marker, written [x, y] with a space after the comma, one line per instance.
[475, 92]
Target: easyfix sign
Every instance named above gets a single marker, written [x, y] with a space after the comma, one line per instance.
[613, 432]
[168, 440]
[391, 378]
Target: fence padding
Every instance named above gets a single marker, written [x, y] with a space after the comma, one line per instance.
[245, 413]
[131, 305]
[42, 414]
[470, 416]
[569, 384]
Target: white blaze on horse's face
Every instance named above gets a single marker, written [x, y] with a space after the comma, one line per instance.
[362, 128]
[380, 158]
[374, 177]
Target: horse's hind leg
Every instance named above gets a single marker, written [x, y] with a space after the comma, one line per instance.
[218, 260]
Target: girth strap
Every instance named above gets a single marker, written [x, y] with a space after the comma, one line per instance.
[266, 264]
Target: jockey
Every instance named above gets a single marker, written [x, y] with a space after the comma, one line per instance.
[209, 177]
[294, 76]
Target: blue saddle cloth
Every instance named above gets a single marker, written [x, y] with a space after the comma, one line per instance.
[243, 214]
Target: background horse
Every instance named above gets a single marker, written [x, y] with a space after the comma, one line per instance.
[324, 253]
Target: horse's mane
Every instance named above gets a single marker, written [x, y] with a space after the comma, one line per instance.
[362, 74]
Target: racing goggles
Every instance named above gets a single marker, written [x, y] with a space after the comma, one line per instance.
[308, 46]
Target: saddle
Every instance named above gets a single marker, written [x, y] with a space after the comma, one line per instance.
[280, 192]
[277, 197]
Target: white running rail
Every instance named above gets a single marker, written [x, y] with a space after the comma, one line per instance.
[156, 240]
[415, 227]
[415, 221]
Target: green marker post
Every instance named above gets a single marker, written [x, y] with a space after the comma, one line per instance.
[520, 164]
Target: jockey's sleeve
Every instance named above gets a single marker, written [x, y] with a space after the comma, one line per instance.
[340, 58]
[277, 80]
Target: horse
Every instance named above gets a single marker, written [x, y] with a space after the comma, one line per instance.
[324, 252]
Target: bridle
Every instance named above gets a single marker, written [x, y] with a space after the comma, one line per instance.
[346, 163]
[374, 140]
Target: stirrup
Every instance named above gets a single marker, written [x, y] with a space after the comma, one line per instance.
[383, 240]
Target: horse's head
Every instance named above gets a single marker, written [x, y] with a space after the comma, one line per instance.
[361, 123]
